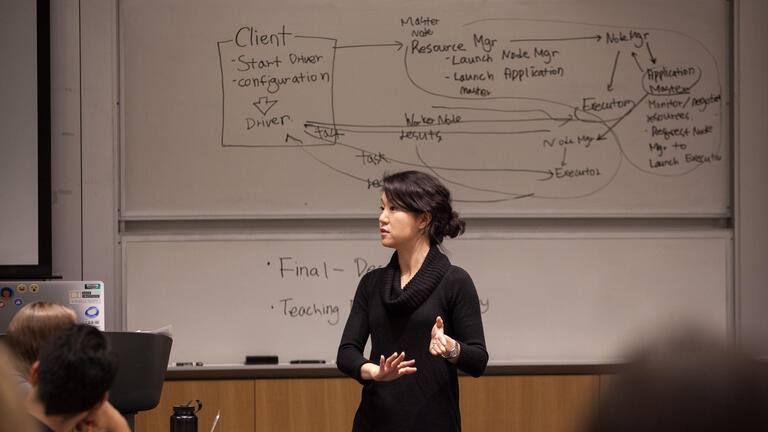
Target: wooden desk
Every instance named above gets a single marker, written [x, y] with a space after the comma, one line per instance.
[507, 398]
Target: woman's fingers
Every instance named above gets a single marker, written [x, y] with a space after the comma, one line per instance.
[443, 340]
[396, 361]
[440, 342]
[392, 361]
[394, 366]
[386, 365]
[405, 367]
[436, 348]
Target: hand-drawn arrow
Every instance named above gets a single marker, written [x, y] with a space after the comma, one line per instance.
[615, 62]
[398, 44]
[596, 37]
[264, 105]
[562, 162]
[294, 139]
[549, 173]
[653, 59]
[634, 56]
[602, 135]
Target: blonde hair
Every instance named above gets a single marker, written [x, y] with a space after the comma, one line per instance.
[31, 327]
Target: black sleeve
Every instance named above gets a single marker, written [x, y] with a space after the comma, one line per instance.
[467, 325]
[349, 358]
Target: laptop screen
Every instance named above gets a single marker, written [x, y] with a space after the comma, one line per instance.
[86, 298]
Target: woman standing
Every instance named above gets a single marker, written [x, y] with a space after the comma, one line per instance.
[421, 312]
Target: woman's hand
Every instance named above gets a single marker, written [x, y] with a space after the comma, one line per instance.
[389, 369]
[440, 344]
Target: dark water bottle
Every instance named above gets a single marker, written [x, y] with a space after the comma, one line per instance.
[184, 418]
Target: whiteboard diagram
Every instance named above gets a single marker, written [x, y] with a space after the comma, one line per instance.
[521, 109]
[486, 112]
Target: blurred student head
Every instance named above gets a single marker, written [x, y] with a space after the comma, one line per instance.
[75, 370]
[12, 414]
[686, 382]
[30, 327]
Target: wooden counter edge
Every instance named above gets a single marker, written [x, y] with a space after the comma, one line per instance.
[330, 371]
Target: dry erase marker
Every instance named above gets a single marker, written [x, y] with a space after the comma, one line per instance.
[183, 363]
[307, 361]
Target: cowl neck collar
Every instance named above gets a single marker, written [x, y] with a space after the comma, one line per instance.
[419, 288]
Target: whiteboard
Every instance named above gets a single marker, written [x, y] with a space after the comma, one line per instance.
[545, 297]
[552, 108]
[19, 165]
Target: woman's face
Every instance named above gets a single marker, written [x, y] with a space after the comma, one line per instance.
[399, 227]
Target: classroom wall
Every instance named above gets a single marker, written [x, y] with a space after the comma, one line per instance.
[751, 128]
[86, 161]
[66, 185]
[84, 139]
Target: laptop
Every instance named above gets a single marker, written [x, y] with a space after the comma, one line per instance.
[86, 298]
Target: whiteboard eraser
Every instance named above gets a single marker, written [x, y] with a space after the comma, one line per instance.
[261, 359]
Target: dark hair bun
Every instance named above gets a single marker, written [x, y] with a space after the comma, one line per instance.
[455, 226]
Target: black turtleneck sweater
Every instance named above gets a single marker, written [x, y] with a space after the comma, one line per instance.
[401, 320]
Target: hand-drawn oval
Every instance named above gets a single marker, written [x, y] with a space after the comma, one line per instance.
[670, 81]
